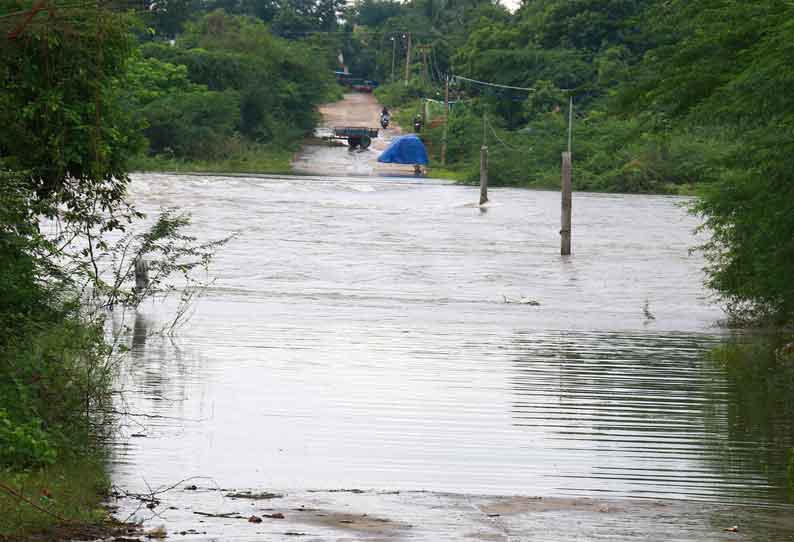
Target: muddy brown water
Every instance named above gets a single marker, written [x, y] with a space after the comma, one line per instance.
[375, 333]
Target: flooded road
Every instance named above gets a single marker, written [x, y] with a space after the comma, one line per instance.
[377, 335]
[335, 158]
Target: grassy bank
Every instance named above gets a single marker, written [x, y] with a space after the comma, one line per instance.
[256, 159]
[55, 381]
[55, 502]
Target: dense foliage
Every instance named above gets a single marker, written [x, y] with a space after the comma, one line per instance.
[69, 134]
[63, 156]
[726, 66]
[227, 83]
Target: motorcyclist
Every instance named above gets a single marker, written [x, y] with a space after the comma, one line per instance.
[418, 123]
[384, 117]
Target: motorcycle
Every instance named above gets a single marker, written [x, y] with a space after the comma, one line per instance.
[384, 121]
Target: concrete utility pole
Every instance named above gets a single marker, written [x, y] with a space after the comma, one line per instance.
[565, 229]
[446, 119]
[570, 121]
[393, 51]
[408, 61]
[483, 174]
[567, 198]
[483, 165]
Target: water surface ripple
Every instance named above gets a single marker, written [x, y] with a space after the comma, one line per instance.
[358, 335]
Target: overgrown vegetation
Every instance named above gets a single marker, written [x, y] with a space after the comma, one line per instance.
[63, 159]
[67, 490]
[63, 179]
[228, 92]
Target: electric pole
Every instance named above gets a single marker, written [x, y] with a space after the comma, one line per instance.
[408, 61]
[446, 120]
[393, 50]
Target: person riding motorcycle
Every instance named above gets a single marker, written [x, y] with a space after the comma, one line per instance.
[418, 123]
[384, 118]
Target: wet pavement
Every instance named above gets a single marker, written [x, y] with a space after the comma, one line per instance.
[393, 362]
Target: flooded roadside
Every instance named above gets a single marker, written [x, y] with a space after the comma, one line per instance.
[334, 158]
[369, 334]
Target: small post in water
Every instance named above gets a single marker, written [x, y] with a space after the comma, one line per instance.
[483, 174]
[484, 162]
[565, 230]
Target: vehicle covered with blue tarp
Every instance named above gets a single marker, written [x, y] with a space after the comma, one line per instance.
[407, 149]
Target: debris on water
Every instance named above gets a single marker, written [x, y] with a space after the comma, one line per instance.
[157, 533]
[292, 533]
[734, 529]
[191, 487]
[138, 435]
[254, 519]
[224, 515]
[521, 300]
[254, 496]
[356, 491]
[277, 515]
[646, 310]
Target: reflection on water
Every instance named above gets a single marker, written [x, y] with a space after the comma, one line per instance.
[651, 410]
[357, 336]
[760, 408]
[140, 331]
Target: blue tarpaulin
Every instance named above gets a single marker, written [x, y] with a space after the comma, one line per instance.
[407, 149]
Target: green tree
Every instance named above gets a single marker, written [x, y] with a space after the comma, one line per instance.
[724, 65]
[59, 105]
[63, 153]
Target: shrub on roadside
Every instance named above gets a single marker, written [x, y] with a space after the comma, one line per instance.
[24, 444]
[192, 125]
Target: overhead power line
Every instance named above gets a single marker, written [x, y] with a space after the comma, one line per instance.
[484, 83]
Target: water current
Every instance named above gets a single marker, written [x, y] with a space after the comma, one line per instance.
[389, 335]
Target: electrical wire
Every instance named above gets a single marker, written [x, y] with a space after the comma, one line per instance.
[500, 140]
[497, 85]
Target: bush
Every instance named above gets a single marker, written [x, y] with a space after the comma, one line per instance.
[398, 94]
[241, 82]
[193, 125]
[24, 445]
[53, 370]
[611, 154]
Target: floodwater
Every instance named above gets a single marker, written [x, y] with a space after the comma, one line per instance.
[386, 335]
[355, 109]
